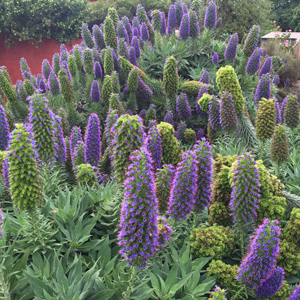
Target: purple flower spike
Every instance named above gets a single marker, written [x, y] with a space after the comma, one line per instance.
[132, 56]
[122, 32]
[75, 138]
[169, 118]
[93, 141]
[184, 187]
[214, 113]
[154, 144]
[215, 58]
[144, 32]
[194, 25]
[60, 148]
[200, 134]
[182, 107]
[135, 43]
[263, 89]
[260, 260]
[205, 77]
[163, 25]
[271, 285]
[98, 70]
[204, 156]
[184, 30]
[171, 20]
[42, 86]
[46, 69]
[266, 67]
[254, 62]
[138, 237]
[179, 12]
[95, 92]
[4, 130]
[202, 91]
[210, 20]
[230, 52]
[276, 79]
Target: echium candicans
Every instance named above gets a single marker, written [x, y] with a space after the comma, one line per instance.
[46, 69]
[266, 67]
[181, 128]
[98, 37]
[194, 25]
[205, 77]
[202, 91]
[164, 232]
[228, 115]
[254, 62]
[263, 89]
[138, 237]
[154, 146]
[163, 24]
[144, 32]
[4, 130]
[169, 118]
[182, 107]
[60, 149]
[215, 58]
[296, 294]
[204, 158]
[260, 260]
[135, 43]
[210, 20]
[132, 56]
[128, 27]
[75, 137]
[251, 41]
[93, 141]
[171, 20]
[156, 19]
[184, 187]
[53, 84]
[214, 113]
[230, 52]
[122, 32]
[179, 12]
[98, 70]
[184, 30]
[245, 193]
[86, 35]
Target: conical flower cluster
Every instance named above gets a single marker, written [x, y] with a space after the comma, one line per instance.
[279, 145]
[110, 36]
[266, 67]
[95, 92]
[194, 25]
[204, 158]
[291, 112]
[245, 191]
[87, 175]
[184, 187]
[4, 130]
[259, 262]
[210, 20]
[263, 89]
[230, 52]
[265, 119]
[228, 115]
[75, 138]
[154, 145]
[251, 41]
[184, 29]
[254, 62]
[87, 36]
[98, 37]
[59, 142]
[214, 113]
[171, 20]
[122, 32]
[205, 77]
[139, 237]
[182, 107]
[53, 84]
[169, 118]
[170, 77]
[179, 12]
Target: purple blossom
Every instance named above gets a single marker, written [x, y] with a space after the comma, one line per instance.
[163, 25]
[75, 138]
[276, 79]
[143, 113]
[171, 20]
[135, 43]
[122, 32]
[46, 69]
[154, 145]
[230, 52]
[93, 141]
[127, 26]
[210, 20]
[194, 25]
[184, 30]
[135, 22]
[144, 32]
[132, 56]
[144, 93]
[42, 86]
[260, 259]
[200, 134]
[266, 67]
[253, 62]
[296, 294]
[205, 77]
[228, 114]
[60, 148]
[182, 107]
[98, 70]
[179, 12]
[263, 89]
[169, 118]
[203, 153]
[184, 187]
[4, 130]
[98, 38]
[214, 113]
[138, 237]
[287, 82]
[202, 91]
[215, 58]
[95, 92]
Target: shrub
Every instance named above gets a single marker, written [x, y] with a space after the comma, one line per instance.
[215, 241]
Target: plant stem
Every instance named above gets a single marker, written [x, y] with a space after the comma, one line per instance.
[278, 170]
[36, 228]
[237, 295]
[242, 243]
[262, 147]
[126, 295]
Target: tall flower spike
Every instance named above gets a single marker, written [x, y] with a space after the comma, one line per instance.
[132, 83]
[128, 136]
[200, 134]
[144, 93]
[108, 61]
[24, 65]
[205, 77]
[24, 180]
[171, 20]
[214, 113]
[215, 58]
[59, 142]
[210, 20]
[135, 22]
[279, 145]
[55, 63]
[182, 107]
[144, 32]
[169, 118]
[271, 285]
[230, 52]
[4, 130]
[266, 67]
[254, 62]
[115, 82]
[127, 25]
[78, 155]
[132, 56]
[75, 138]
[184, 187]
[65, 123]
[138, 237]
[204, 158]
[72, 65]
[78, 57]
[86, 35]
[163, 25]
[156, 19]
[107, 90]
[141, 14]
[202, 91]
[136, 44]
[98, 37]
[195, 6]
[98, 70]
[42, 86]
[184, 30]
[110, 36]
[263, 89]
[42, 127]
[245, 191]
[228, 115]
[265, 119]
[179, 12]
[181, 130]
[252, 40]
[46, 69]
[154, 145]
[291, 112]
[65, 85]
[88, 62]
[194, 25]
[260, 260]
[93, 141]
[164, 179]
[122, 32]
[276, 79]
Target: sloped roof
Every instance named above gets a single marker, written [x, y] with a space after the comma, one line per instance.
[272, 35]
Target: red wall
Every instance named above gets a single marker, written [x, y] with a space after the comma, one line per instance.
[10, 57]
